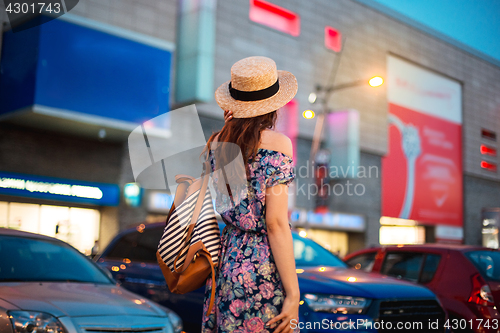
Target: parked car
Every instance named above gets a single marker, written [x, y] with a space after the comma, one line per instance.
[47, 286]
[331, 293]
[466, 279]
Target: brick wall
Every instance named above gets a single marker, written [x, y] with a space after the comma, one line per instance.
[151, 17]
[38, 152]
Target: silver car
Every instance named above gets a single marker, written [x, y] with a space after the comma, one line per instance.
[47, 286]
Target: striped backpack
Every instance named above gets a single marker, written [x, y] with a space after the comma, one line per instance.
[189, 248]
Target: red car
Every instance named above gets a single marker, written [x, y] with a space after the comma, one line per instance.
[466, 279]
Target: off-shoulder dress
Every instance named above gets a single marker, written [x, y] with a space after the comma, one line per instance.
[249, 289]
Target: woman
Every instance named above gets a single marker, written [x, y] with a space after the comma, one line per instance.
[257, 286]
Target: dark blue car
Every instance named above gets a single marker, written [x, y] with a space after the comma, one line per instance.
[333, 296]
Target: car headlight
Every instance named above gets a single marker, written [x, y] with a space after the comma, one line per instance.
[175, 319]
[35, 322]
[337, 304]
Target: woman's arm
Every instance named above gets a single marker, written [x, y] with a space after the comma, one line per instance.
[281, 242]
[280, 239]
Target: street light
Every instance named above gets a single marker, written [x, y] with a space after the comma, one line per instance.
[375, 81]
[308, 114]
[312, 98]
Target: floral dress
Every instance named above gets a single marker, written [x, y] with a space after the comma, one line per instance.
[249, 290]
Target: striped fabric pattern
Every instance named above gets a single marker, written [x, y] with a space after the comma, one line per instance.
[205, 230]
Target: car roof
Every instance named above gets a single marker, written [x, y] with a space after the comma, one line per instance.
[441, 246]
[26, 234]
[429, 246]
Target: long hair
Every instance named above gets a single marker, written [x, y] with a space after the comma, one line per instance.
[242, 134]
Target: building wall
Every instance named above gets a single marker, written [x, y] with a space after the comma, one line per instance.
[38, 152]
[479, 193]
[151, 17]
[369, 37]
[34, 151]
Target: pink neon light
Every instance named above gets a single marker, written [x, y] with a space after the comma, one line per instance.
[333, 39]
[275, 17]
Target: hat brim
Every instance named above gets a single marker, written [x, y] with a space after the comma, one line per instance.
[242, 109]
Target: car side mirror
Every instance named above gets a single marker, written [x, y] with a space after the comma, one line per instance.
[108, 274]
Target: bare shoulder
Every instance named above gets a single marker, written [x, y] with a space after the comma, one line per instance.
[216, 138]
[273, 140]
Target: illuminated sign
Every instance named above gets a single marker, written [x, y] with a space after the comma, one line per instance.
[275, 17]
[485, 150]
[422, 172]
[160, 201]
[59, 189]
[333, 39]
[489, 166]
[109, 58]
[132, 194]
[337, 221]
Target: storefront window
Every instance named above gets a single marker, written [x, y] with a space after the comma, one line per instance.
[334, 241]
[491, 224]
[76, 226]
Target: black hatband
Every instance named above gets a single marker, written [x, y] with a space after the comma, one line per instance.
[256, 95]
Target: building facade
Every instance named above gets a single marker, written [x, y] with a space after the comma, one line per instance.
[372, 43]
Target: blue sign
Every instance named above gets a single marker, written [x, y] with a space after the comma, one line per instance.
[132, 193]
[160, 201]
[333, 220]
[62, 65]
[59, 189]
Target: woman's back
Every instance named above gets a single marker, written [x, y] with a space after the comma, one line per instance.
[272, 165]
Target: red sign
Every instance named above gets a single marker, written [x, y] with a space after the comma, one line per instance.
[431, 155]
[422, 172]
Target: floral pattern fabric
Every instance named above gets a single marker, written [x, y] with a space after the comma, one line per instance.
[249, 290]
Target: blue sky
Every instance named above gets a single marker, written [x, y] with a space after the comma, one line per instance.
[475, 23]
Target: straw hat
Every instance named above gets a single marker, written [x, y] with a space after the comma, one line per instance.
[256, 88]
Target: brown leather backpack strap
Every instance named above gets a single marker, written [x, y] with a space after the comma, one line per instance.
[214, 286]
[184, 266]
[180, 193]
[194, 219]
[183, 178]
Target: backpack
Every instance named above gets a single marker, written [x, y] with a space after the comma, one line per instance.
[188, 251]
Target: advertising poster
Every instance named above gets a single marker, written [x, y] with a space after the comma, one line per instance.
[422, 172]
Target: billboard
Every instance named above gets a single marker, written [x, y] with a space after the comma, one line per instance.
[422, 172]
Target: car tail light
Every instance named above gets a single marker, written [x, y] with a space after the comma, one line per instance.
[481, 292]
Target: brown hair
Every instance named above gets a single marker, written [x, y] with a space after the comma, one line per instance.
[246, 134]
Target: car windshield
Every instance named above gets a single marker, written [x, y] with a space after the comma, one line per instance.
[136, 246]
[28, 259]
[309, 253]
[487, 262]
